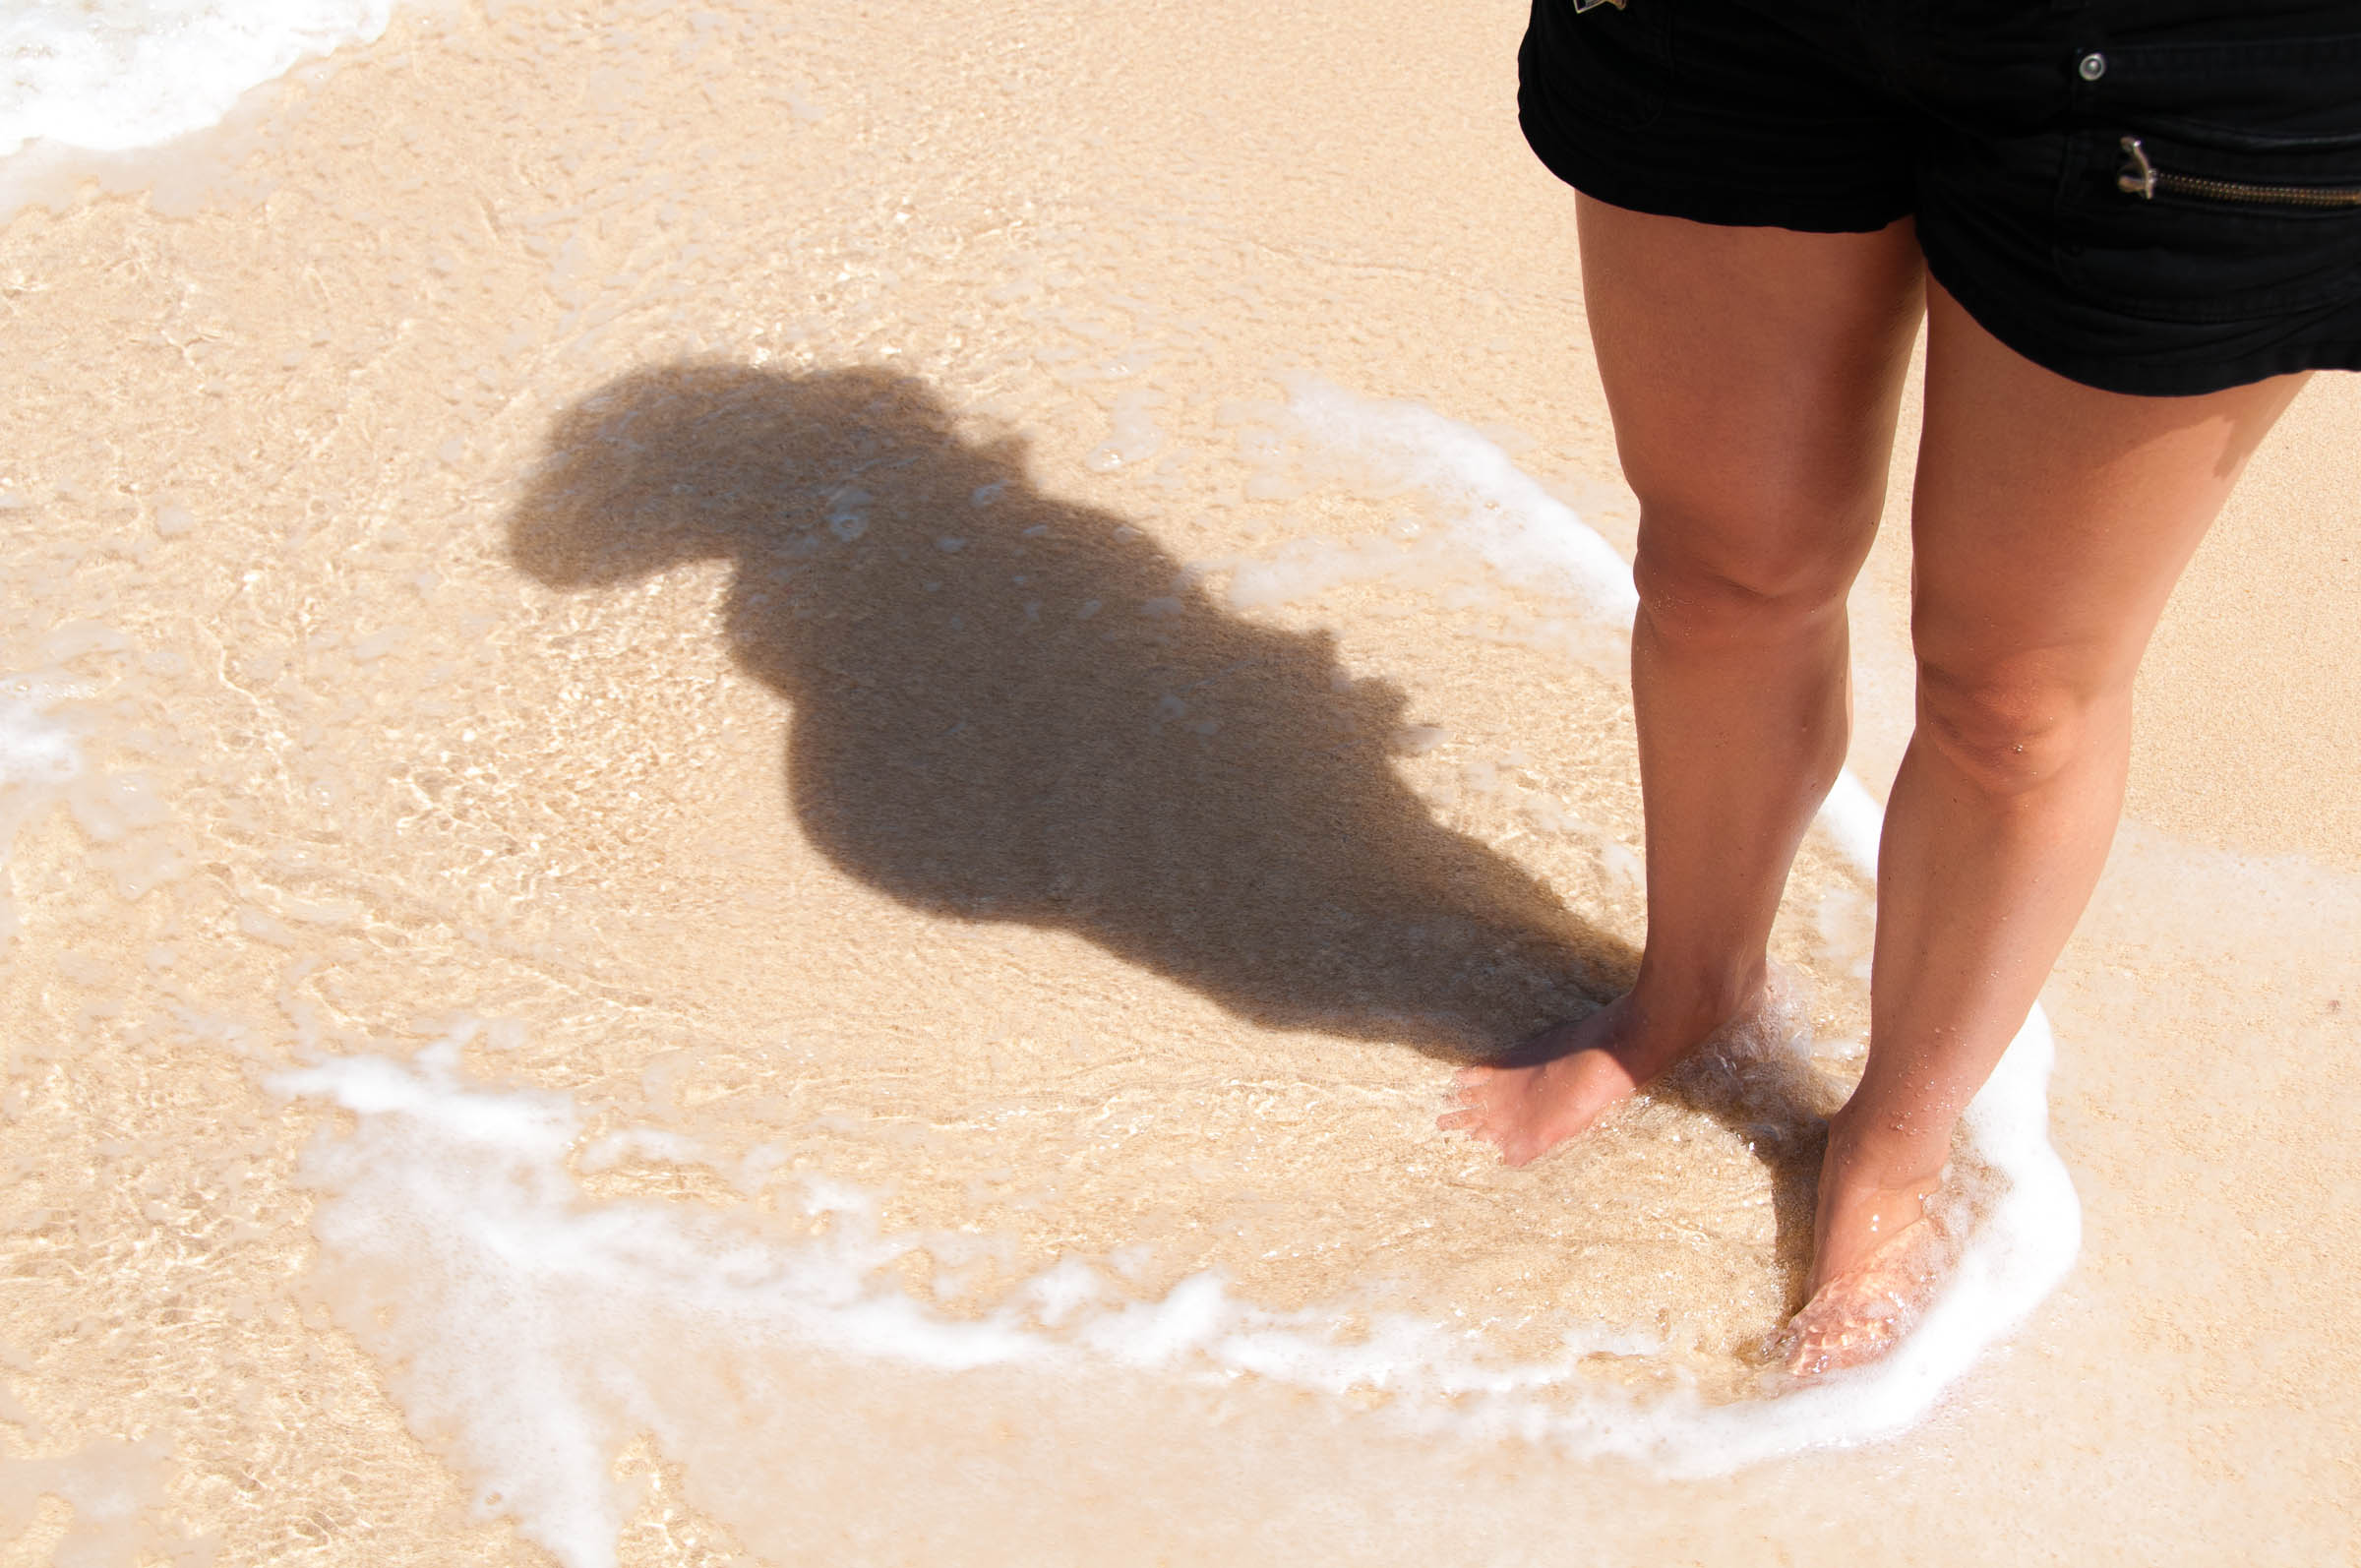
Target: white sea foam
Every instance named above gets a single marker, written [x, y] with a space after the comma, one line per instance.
[1852, 818]
[124, 74]
[1497, 509]
[39, 760]
[120, 1494]
[36, 750]
[455, 1238]
[149, 95]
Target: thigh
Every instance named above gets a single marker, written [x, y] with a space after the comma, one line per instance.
[1753, 374]
[2051, 518]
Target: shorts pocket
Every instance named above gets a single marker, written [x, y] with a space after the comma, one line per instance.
[1610, 64]
[2216, 184]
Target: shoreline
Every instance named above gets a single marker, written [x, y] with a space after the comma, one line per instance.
[997, 326]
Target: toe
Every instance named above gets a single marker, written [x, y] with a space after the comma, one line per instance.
[1460, 1120]
[1821, 1350]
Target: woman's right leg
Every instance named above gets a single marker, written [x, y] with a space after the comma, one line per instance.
[1753, 376]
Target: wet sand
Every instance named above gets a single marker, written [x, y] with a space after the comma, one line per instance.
[754, 570]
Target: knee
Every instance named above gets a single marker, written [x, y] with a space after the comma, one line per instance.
[2007, 730]
[1755, 577]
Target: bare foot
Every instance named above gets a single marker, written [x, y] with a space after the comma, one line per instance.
[1560, 1082]
[1862, 1312]
[1877, 1252]
[1860, 1219]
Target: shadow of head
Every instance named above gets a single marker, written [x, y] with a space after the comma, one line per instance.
[1007, 706]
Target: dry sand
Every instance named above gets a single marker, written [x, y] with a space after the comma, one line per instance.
[439, 542]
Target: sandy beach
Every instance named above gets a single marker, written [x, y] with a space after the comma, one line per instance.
[758, 765]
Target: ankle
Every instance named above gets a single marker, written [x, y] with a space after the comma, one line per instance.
[1867, 1152]
[1691, 1004]
[1874, 1188]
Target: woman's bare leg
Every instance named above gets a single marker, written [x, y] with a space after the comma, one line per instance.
[2049, 525]
[1753, 376]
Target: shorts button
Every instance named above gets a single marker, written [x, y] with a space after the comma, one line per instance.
[2091, 67]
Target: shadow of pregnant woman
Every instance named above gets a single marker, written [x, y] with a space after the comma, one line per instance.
[1010, 708]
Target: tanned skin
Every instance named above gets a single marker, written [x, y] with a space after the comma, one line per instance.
[1754, 377]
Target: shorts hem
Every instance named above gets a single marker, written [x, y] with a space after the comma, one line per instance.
[1701, 202]
[2189, 375]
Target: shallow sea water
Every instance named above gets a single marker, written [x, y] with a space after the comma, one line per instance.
[758, 764]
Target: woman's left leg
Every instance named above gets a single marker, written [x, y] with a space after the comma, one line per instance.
[2050, 523]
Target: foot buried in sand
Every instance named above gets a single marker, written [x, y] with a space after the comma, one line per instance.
[1561, 1081]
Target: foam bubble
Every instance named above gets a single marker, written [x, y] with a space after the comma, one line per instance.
[35, 751]
[119, 1494]
[1135, 437]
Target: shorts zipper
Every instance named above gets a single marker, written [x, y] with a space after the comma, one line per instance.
[2142, 178]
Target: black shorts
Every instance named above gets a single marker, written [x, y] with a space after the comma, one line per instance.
[2146, 196]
